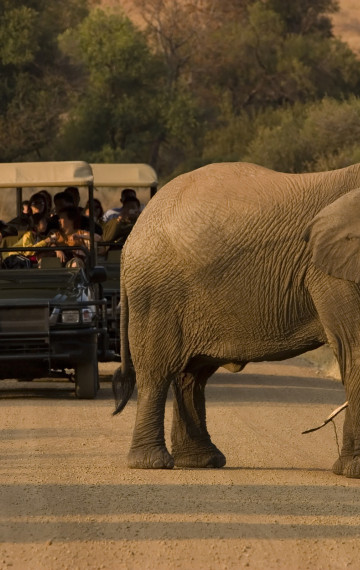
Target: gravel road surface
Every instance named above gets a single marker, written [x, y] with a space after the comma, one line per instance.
[68, 501]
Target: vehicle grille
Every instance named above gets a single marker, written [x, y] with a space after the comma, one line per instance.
[24, 319]
[31, 347]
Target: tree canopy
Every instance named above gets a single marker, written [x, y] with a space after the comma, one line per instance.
[196, 81]
[34, 75]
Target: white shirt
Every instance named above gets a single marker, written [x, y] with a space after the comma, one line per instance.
[111, 213]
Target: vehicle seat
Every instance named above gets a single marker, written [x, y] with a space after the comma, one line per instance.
[9, 241]
[113, 256]
[49, 263]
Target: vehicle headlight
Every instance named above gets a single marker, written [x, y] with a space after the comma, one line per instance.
[87, 315]
[70, 317]
[54, 316]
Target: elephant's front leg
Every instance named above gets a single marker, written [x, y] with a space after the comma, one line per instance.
[347, 450]
[338, 306]
[191, 443]
[351, 437]
[148, 450]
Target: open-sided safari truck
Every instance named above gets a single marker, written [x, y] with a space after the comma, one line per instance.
[143, 179]
[52, 318]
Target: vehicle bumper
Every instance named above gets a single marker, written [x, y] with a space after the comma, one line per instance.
[36, 355]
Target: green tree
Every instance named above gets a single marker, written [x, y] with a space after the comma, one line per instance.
[257, 72]
[34, 77]
[127, 112]
[307, 16]
[114, 116]
[307, 137]
[201, 81]
[260, 60]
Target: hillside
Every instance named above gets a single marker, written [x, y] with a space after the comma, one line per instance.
[346, 22]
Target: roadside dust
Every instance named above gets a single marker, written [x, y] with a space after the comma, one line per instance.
[69, 501]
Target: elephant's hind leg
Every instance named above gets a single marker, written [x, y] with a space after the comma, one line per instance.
[148, 450]
[191, 443]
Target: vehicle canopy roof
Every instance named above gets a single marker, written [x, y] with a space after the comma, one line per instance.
[50, 174]
[122, 175]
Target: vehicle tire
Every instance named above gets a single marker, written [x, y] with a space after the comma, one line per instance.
[87, 379]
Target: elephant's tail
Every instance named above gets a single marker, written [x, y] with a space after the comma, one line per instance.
[123, 381]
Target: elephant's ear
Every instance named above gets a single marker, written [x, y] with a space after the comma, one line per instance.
[334, 237]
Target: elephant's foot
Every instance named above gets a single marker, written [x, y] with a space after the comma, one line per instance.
[214, 460]
[153, 458]
[352, 469]
[200, 459]
[341, 463]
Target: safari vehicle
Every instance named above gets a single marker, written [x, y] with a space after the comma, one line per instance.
[143, 179]
[52, 318]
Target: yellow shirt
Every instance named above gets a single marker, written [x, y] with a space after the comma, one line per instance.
[27, 239]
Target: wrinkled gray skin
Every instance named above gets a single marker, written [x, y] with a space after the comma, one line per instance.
[229, 264]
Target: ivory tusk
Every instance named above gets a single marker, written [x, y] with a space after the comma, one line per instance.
[329, 418]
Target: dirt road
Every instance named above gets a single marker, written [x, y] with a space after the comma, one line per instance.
[67, 499]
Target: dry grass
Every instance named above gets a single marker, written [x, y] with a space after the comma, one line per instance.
[347, 23]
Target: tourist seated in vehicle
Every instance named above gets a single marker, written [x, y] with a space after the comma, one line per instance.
[6, 230]
[130, 211]
[117, 229]
[75, 194]
[64, 200]
[114, 213]
[39, 204]
[34, 237]
[8, 236]
[98, 211]
[48, 199]
[25, 207]
[2, 228]
[71, 234]
[22, 221]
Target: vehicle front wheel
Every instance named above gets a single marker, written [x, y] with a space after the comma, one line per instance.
[87, 378]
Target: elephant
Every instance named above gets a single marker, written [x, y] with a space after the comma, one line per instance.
[229, 264]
